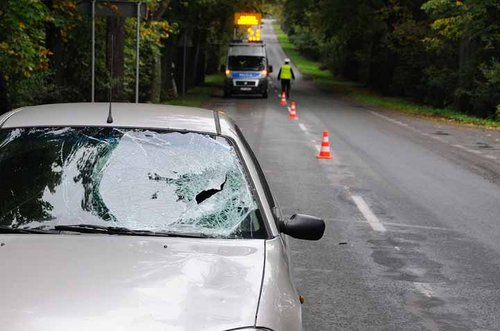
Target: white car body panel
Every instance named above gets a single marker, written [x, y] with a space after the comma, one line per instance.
[279, 307]
[124, 115]
[96, 282]
[101, 282]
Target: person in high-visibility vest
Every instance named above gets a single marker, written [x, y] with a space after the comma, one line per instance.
[286, 75]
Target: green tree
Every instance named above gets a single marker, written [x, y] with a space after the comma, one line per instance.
[468, 35]
[436, 51]
[45, 49]
[24, 57]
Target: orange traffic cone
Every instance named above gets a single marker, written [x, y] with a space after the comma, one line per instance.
[283, 99]
[324, 152]
[293, 113]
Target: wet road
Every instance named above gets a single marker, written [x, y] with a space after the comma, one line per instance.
[412, 209]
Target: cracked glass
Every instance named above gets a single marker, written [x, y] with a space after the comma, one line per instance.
[132, 178]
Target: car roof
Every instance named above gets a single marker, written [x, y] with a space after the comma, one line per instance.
[124, 115]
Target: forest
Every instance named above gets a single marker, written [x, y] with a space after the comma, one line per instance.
[45, 49]
[436, 52]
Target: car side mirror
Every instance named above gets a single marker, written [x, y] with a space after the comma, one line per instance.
[270, 68]
[303, 227]
[222, 68]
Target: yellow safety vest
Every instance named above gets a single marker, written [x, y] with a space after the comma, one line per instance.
[286, 72]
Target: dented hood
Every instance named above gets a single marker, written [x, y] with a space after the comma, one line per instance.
[100, 282]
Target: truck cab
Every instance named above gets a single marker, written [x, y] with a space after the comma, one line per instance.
[246, 69]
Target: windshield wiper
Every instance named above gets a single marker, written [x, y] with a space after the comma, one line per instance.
[182, 234]
[90, 228]
[8, 229]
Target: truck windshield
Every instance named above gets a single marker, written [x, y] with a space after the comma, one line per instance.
[131, 178]
[246, 63]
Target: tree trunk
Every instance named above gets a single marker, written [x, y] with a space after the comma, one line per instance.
[4, 100]
[196, 63]
[463, 62]
[185, 62]
[53, 41]
[168, 85]
[462, 97]
[116, 35]
[199, 67]
[156, 79]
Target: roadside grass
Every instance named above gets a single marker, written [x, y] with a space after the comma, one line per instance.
[306, 67]
[200, 95]
[325, 80]
[409, 107]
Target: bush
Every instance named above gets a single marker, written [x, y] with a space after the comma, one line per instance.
[486, 97]
[440, 87]
[333, 54]
[306, 44]
[30, 90]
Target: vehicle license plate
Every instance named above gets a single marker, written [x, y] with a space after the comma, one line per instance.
[246, 88]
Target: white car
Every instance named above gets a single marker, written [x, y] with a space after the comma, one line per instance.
[156, 218]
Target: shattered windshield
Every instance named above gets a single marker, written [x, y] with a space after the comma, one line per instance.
[133, 178]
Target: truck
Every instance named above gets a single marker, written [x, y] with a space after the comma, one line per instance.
[246, 69]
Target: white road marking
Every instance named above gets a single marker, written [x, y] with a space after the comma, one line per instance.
[440, 139]
[425, 227]
[391, 120]
[397, 248]
[309, 136]
[306, 132]
[424, 289]
[368, 214]
[466, 149]
[312, 270]
[391, 224]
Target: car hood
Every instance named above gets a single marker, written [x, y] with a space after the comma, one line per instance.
[99, 282]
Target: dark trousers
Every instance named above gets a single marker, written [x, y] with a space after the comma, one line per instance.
[285, 87]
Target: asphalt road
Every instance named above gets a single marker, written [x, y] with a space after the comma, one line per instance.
[412, 208]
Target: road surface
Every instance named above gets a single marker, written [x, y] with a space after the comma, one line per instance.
[412, 208]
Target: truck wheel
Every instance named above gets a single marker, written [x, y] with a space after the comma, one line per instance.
[227, 94]
[264, 95]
